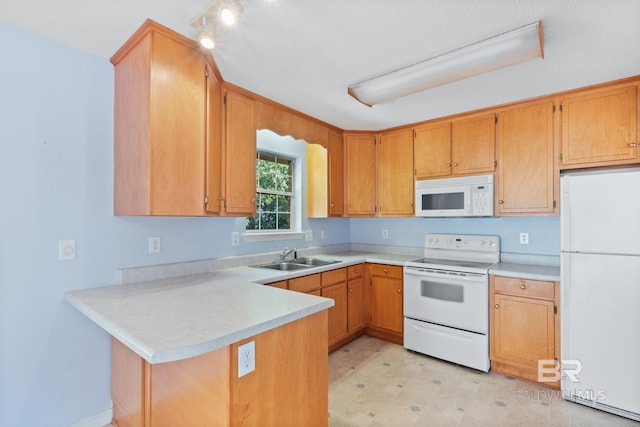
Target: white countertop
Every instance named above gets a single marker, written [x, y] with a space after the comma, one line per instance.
[526, 271]
[171, 319]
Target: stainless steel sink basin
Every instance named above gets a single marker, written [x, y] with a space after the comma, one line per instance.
[282, 266]
[296, 264]
[314, 261]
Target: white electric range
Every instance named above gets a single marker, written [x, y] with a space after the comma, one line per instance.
[446, 298]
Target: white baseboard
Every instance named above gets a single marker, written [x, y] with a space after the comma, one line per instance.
[99, 420]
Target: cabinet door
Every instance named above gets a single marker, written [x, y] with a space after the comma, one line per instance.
[599, 127]
[523, 330]
[526, 173]
[337, 313]
[385, 310]
[432, 150]
[159, 125]
[240, 156]
[355, 304]
[395, 174]
[360, 174]
[336, 174]
[473, 145]
[213, 190]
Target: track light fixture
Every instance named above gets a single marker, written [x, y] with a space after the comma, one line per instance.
[230, 11]
[227, 12]
[206, 37]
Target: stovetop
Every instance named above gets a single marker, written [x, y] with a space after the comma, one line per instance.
[458, 252]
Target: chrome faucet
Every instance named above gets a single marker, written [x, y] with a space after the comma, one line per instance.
[286, 252]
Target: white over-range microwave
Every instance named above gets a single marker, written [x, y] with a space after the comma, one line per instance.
[462, 196]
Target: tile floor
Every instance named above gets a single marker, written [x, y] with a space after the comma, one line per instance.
[375, 383]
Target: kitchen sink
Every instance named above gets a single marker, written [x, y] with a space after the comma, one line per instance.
[314, 261]
[282, 266]
[296, 264]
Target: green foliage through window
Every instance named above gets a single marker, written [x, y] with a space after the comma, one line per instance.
[274, 178]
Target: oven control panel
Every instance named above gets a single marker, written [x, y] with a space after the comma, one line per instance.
[466, 242]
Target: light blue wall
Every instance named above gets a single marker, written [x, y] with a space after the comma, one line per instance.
[544, 232]
[56, 182]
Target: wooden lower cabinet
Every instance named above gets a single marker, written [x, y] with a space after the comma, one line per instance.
[355, 298]
[524, 326]
[205, 390]
[385, 318]
[338, 313]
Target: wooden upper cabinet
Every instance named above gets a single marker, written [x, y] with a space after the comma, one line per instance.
[360, 174]
[213, 185]
[461, 147]
[600, 127]
[432, 150]
[395, 182]
[240, 156]
[473, 145]
[160, 118]
[336, 174]
[527, 177]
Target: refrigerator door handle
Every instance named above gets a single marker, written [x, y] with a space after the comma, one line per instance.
[565, 280]
[565, 214]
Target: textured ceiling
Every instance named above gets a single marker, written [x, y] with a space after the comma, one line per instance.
[304, 53]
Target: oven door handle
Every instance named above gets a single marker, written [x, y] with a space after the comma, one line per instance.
[440, 274]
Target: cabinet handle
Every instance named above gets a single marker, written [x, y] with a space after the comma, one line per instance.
[523, 286]
[356, 270]
[501, 202]
[332, 205]
[448, 165]
[350, 290]
[497, 306]
[455, 164]
[633, 144]
[385, 271]
[410, 205]
[253, 200]
[399, 291]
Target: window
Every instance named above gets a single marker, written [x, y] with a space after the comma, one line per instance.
[274, 198]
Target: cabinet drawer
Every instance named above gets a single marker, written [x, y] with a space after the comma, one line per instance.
[334, 276]
[524, 287]
[386, 270]
[305, 283]
[354, 271]
[282, 284]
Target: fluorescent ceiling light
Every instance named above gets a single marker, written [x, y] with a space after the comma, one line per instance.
[513, 47]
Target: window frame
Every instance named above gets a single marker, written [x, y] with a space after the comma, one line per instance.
[294, 232]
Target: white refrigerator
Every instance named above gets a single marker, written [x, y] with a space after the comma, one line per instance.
[600, 297]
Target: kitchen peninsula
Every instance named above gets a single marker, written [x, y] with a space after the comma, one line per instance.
[175, 351]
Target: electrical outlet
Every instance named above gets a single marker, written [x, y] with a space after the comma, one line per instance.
[246, 358]
[235, 238]
[323, 234]
[308, 235]
[524, 238]
[155, 245]
[385, 233]
[66, 250]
